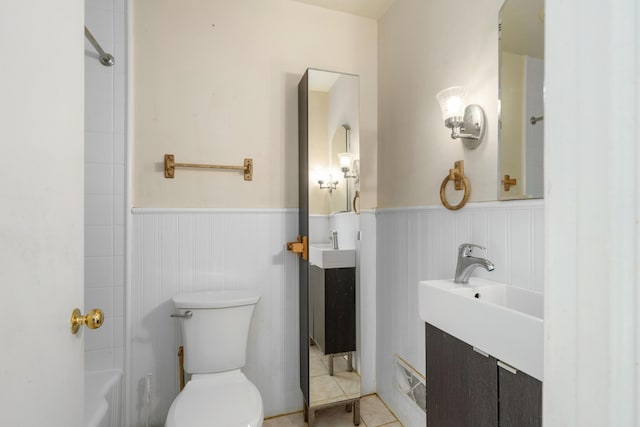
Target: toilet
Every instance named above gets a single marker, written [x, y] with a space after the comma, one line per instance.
[215, 329]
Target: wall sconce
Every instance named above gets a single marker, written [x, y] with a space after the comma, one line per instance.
[466, 122]
[330, 185]
[348, 164]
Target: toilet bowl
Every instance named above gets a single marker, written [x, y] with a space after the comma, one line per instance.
[215, 328]
[227, 399]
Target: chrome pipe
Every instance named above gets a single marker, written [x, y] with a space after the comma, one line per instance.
[106, 59]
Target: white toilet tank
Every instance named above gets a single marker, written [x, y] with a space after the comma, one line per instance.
[215, 336]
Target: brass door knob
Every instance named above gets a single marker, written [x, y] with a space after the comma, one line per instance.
[93, 319]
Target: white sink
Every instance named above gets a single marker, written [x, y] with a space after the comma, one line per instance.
[501, 320]
[324, 256]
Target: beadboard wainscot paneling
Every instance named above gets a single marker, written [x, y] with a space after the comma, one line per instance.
[366, 276]
[420, 243]
[187, 250]
[318, 228]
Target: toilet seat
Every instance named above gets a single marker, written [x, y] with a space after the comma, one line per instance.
[226, 399]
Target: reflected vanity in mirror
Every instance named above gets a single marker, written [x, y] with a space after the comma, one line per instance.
[328, 181]
[521, 112]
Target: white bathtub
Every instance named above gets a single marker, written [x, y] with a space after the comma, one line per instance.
[103, 398]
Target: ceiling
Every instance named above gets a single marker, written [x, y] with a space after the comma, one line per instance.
[373, 9]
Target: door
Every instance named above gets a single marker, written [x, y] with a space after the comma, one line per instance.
[41, 220]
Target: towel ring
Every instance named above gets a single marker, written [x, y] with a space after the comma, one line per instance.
[461, 183]
[356, 209]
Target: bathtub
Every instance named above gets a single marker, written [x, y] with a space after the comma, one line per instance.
[103, 398]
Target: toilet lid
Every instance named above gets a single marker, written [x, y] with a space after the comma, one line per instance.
[226, 399]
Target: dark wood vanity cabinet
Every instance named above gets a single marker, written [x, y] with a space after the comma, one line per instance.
[520, 399]
[462, 384]
[466, 388]
[333, 293]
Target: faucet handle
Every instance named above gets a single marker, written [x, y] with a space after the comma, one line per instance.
[465, 248]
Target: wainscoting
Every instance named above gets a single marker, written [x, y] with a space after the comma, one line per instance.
[185, 250]
[421, 243]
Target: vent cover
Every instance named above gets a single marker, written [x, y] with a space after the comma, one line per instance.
[410, 383]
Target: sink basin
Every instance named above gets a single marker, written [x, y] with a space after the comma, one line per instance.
[501, 320]
[324, 256]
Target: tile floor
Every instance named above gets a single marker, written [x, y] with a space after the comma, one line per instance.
[325, 388]
[373, 413]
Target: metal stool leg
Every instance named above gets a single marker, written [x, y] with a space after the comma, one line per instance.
[331, 364]
[350, 361]
[356, 412]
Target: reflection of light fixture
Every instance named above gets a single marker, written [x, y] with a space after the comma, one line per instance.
[326, 181]
[331, 185]
[348, 164]
[465, 121]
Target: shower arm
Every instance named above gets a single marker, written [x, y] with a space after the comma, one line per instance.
[106, 59]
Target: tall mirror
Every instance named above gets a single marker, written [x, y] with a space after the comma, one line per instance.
[521, 112]
[329, 153]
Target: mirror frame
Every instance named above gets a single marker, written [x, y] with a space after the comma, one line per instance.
[304, 229]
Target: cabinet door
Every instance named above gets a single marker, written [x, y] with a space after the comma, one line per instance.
[340, 310]
[520, 399]
[462, 385]
[316, 305]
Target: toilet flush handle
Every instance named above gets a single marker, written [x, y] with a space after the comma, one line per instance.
[187, 315]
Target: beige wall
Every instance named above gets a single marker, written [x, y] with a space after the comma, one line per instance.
[426, 46]
[215, 81]
[318, 152]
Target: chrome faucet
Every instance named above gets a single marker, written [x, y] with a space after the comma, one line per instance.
[333, 238]
[467, 263]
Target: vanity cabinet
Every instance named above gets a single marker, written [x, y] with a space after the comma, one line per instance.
[462, 384]
[520, 399]
[333, 293]
[469, 388]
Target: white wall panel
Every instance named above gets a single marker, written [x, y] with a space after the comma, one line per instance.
[520, 248]
[347, 225]
[318, 228]
[367, 301]
[416, 244]
[497, 245]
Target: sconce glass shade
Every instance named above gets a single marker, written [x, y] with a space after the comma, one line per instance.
[349, 165]
[466, 122]
[452, 104]
[346, 160]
